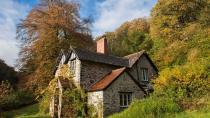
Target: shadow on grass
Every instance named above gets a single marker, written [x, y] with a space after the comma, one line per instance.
[27, 112]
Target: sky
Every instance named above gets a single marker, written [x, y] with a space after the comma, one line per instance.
[107, 15]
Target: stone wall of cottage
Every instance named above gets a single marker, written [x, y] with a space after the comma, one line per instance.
[143, 62]
[95, 99]
[111, 99]
[92, 72]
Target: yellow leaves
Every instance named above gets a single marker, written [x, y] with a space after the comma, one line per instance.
[172, 54]
[189, 31]
[162, 79]
[166, 75]
[175, 19]
[193, 54]
[189, 79]
[64, 71]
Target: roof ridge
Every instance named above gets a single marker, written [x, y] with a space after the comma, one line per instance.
[101, 58]
[98, 53]
[142, 51]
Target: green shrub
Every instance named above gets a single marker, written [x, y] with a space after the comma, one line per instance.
[152, 107]
[74, 99]
[16, 99]
[10, 98]
[74, 103]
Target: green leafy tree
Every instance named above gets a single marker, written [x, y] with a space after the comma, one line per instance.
[130, 37]
[7, 73]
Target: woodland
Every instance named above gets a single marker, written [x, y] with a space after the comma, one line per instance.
[176, 36]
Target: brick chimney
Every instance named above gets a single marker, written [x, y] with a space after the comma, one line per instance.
[102, 45]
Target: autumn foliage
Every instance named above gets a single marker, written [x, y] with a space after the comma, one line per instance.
[49, 28]
[180, 47]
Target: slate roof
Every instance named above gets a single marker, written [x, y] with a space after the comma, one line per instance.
[134, 57]
[107, 80]
[101, 58]
[126, 61]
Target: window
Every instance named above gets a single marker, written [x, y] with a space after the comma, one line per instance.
[144, 73]
[125, 99]
[72, 64]
[63, 59]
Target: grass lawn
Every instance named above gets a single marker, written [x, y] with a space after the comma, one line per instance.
[26, 112]
[194, 114]
[190, 114]
[186, 114]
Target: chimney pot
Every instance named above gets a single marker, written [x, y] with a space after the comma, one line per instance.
[102, 45]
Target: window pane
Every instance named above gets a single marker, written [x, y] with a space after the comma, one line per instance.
[129, 98]
[144, 74]
[125, 100]
[121, 100]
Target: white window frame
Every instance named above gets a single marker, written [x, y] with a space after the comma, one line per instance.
[63, 59]
[125, 99]
[144, 73]
[72, 64]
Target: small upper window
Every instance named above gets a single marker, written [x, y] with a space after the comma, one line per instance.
[144, 73]
[125, 99]
[72, 64]
[63, 59]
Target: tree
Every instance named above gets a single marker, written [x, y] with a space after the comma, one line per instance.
[130, 37]
[51, 26]
[7, 73]
[175, 19]
[175, 27]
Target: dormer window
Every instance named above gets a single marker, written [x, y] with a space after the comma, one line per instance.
[144, 73]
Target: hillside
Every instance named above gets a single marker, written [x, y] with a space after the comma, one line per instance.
[177, 38]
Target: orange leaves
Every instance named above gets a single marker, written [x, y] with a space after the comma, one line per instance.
[50, 27]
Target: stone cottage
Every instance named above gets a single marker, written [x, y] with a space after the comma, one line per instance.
[111, 82]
